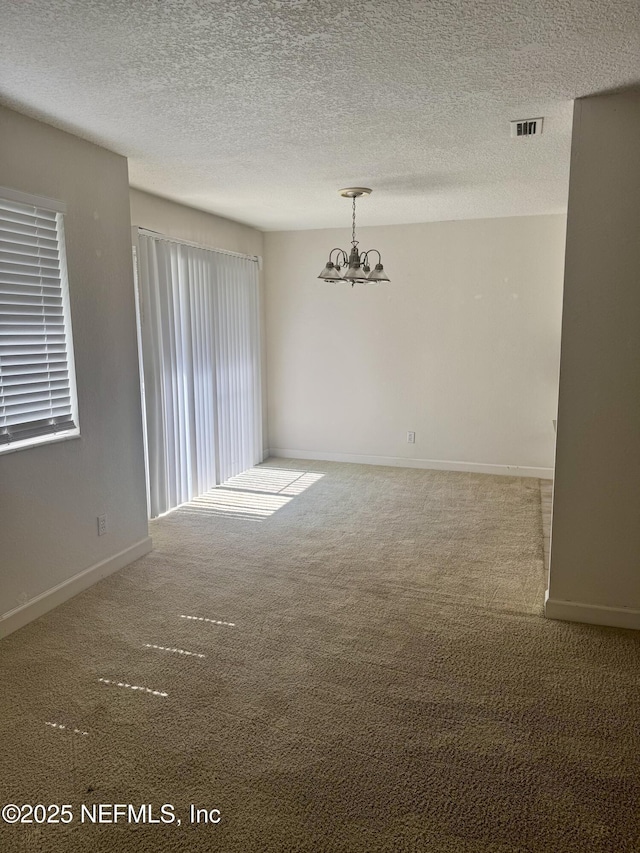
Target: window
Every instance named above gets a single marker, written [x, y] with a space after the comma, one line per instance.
[37, 379]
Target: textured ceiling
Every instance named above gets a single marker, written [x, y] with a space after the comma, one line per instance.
[260, 110]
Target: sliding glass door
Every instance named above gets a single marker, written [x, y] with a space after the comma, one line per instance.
[200, 342]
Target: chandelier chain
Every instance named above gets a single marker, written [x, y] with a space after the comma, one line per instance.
[353, 228]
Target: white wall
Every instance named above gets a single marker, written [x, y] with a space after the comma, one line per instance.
[196, 226]
[595, 546]
[51, 495]
[462, 347]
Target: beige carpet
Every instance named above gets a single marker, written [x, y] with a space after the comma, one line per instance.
[338, 658]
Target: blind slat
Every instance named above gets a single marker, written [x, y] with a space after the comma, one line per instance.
[18, 294]
[53, 389]
[34, 217]
[18, 415]
[28, 237]
[15, 345]
[17, 363]
[29, 312]
[9, 325]
[16, 273]
[56, 378]
[10, 254]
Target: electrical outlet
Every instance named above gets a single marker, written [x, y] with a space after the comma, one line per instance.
[102, 525]
[411, 438]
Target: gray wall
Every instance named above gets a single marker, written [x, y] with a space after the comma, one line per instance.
[50, 496]
[595, 548]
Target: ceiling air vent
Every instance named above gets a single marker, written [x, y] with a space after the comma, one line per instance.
[526, 127]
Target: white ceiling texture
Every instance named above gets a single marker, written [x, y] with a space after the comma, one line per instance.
[260, 110]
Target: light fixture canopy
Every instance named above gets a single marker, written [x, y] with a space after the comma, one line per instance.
[355, 263]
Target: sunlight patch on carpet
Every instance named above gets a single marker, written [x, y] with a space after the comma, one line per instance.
[211, 621]
[254, 495]
[162, 693]
[174, 651]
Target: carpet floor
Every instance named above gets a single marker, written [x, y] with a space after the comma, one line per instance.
[327, 657]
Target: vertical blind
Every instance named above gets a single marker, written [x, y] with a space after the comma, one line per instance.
[37, 390]
[200, 330]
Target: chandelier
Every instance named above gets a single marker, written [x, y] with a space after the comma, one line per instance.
[356, 264]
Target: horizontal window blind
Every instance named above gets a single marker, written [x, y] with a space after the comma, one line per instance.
[36, 367]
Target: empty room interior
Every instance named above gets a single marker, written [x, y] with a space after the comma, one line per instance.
[320, 426]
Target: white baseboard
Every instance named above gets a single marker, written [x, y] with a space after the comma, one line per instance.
[592, 614]
[404, 462]
[20, 616]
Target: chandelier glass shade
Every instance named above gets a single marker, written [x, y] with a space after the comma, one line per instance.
[353, 266]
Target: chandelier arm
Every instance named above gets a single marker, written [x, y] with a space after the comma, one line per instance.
[377, 253]
[341, 252]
